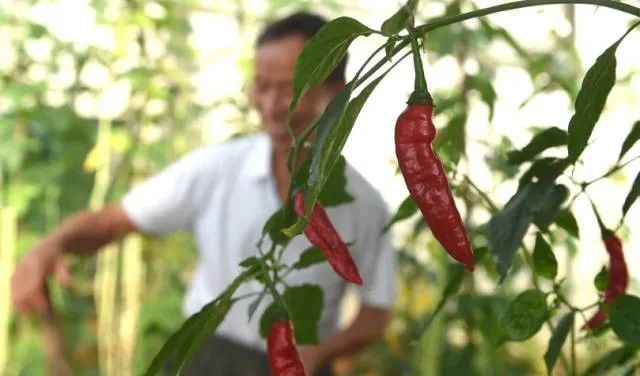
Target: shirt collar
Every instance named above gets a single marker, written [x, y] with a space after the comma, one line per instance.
[258, 162]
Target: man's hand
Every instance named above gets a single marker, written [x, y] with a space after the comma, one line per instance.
[29, 283]
[310, 360]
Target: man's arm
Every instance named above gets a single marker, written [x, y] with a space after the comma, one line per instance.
[82, 233]
[367, 327]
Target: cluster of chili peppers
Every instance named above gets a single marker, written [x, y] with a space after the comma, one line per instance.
[322, 234]
[284, 359]
[618, 276]
[423, 172]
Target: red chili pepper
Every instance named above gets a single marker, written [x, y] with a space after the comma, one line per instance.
[284, 359]
[323, 235]
[618, 277]
[423, 172]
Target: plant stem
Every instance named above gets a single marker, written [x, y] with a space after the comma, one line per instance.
[444, 21]
[573, 348]
[613, 170]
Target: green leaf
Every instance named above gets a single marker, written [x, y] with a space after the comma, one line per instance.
[304, 304]
[601, 281]
[401, 19]
[275, 225]
[181, 346]
[544, 169]
[335, 192]
[596, 86]
[488, 94]
[305, 307]
[632, 196]
[322, 53]
[557, 339]
[612, 359]
[507, 228]
[255, 304]
[450, 143]
[625, 318]
[389, 46]
[567, 221]
[632, 137]
[334, 127]
[550, 207]
[407, 208]
[309, 257]
[544, 260]
[525, 315]
[542, 141]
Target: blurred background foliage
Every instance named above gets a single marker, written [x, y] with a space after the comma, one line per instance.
[96, 95]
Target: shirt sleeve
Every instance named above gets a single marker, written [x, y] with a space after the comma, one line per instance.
[168, 201]
[378, 258]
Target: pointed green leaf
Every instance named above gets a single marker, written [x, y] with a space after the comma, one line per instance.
[601, 281]
[557, 339]
[625, 318]
[632, 196]
[401, 19]
[322, 53]
[567, 221]
[407, 208]
[550, 207]
[542, 141]
[309, 257]
[507, 228]
[182, 345]
[631, 139]
[388, 48]
[525, 315]
[544, 260]
[334, 127]
[544, 169]
[595, 89]
[255, 304]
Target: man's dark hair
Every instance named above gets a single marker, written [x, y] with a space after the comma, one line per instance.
[306, 25]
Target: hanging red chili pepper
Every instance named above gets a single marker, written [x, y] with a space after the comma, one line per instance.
[323, 235]
[618, 276]
[284, 359]
[423, 172]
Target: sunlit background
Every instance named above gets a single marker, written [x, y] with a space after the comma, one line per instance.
[97, 95]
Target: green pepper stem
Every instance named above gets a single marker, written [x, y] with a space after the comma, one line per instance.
[420, 91]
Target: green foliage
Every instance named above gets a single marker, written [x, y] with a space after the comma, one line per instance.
[525, 315]
[557, 340]
[304, 304]
[591, 99]
[544, 261]
[625, 318]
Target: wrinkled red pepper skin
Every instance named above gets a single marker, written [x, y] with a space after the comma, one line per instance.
[427, 181]
[284, 359]
[322, 234]
[618, 278]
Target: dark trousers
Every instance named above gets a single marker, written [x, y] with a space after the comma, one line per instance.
[220, 356]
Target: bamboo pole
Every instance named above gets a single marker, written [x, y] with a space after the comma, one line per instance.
[132, 279]
[105, 281]
[8, 228]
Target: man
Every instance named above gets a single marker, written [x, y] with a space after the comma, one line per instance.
[224, 194]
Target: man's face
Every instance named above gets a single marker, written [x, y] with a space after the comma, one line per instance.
[272, 90]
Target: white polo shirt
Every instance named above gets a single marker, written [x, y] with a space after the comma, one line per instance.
[224, 194]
